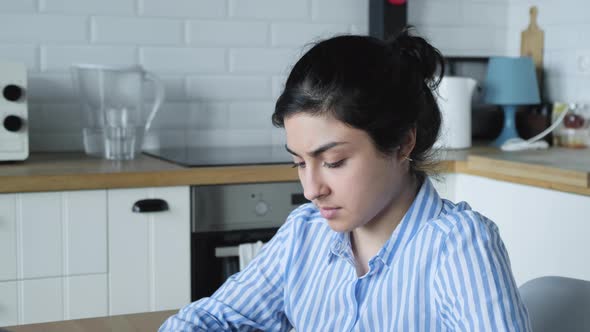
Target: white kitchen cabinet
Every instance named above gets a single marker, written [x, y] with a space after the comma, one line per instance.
[545, 231]
[54, 246]
[149, 253]
[7, 238]
[8, 303]
[58, 262]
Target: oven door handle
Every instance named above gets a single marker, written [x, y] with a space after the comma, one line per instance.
[222, 252]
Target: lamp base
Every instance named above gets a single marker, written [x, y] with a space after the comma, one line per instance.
[509, 130]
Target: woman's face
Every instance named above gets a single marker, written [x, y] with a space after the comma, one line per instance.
[342, 172]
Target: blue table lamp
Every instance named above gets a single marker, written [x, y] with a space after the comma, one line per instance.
[510, 82]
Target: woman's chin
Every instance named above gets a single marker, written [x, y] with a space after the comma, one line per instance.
[339, 225]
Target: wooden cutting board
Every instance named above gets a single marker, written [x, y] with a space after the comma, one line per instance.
[532, 43]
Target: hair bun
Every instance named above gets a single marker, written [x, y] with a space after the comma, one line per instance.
[422, 57]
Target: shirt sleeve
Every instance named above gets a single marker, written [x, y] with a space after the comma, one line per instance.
[474, 285]
[250, 300]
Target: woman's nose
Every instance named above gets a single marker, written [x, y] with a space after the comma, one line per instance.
[314, 187]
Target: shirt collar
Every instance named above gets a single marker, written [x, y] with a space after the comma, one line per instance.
[426, 206]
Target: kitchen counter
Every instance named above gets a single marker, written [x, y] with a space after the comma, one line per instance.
[149, 321]
[557, 168]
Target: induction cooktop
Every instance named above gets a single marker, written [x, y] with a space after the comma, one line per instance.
[223, 156]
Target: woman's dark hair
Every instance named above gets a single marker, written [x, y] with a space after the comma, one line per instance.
[382, 87]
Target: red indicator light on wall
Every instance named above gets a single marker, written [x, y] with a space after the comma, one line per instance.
[397, 2]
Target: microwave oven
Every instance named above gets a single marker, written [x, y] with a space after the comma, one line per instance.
[14, 132]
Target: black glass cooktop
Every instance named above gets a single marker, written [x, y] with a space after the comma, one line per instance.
[224, 156]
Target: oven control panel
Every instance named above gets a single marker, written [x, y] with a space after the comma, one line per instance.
[14, 137]
[243, 206]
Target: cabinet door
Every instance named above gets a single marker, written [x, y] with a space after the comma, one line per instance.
[42, 300]
[149, 253]
[545, 231]
[86, 296]
[63, 233]
[7, 238]
[8, 303]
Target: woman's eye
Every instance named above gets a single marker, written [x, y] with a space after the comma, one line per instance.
[334, 165]
[299, 165]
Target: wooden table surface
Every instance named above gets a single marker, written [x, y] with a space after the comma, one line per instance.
[149, 321]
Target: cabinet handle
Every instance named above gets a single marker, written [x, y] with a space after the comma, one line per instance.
[150, 205]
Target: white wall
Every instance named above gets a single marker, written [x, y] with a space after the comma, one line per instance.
[488, 27]
[566, 24]
[462, 27]
[223, 61]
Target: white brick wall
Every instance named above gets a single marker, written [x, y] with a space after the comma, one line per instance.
[567, 40]
[223, 62]
[462, 27]
[491, 27]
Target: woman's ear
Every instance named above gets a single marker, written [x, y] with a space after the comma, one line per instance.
[407, 144]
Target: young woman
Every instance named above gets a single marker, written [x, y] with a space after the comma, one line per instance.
[377, 249]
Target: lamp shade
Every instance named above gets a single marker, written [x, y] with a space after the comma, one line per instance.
[511, 81]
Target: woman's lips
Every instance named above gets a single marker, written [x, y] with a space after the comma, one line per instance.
[328, 213]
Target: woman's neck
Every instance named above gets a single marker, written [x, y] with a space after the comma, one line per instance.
[367, 240]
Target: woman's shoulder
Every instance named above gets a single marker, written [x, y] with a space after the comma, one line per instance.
[458, 217]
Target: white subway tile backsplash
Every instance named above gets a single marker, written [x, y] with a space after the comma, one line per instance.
[278, 136]
[184, 8]
[263, 60]
[184, 60]
[228, 88]
[227, 33]
[26, 54]
[208, 116]
[89, 7]
[209, 137]
[345, 11]
[492, 14]
[359, 29]
[53, 142]
[62, 118]
[164, 138]
[248, 137]
[563, 37]
[171, 116]
[7, 6]
[35, 116]
[61, 58]
[51, 87]
[475, 41]
[299, 34]
[174, 88]
[250, 115]
[269, 9]
[137, 31]
[434, 13]
[562, 88]
[278, 85]
[42, 28]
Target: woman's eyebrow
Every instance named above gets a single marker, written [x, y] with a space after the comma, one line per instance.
[317, 151]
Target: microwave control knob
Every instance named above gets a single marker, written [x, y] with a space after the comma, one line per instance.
[13, 123]
[261, 208]
[12, 92]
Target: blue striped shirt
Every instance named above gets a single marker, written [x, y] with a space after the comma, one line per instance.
[444, 268]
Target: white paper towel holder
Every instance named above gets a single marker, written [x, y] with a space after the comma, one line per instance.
[453, 96]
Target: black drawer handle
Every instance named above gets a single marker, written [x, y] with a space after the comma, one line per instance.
[150, 205]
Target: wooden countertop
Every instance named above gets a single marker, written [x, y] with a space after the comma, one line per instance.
[149, 321]
[557, 168]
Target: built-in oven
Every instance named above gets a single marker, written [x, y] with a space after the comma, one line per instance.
[225, 216]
